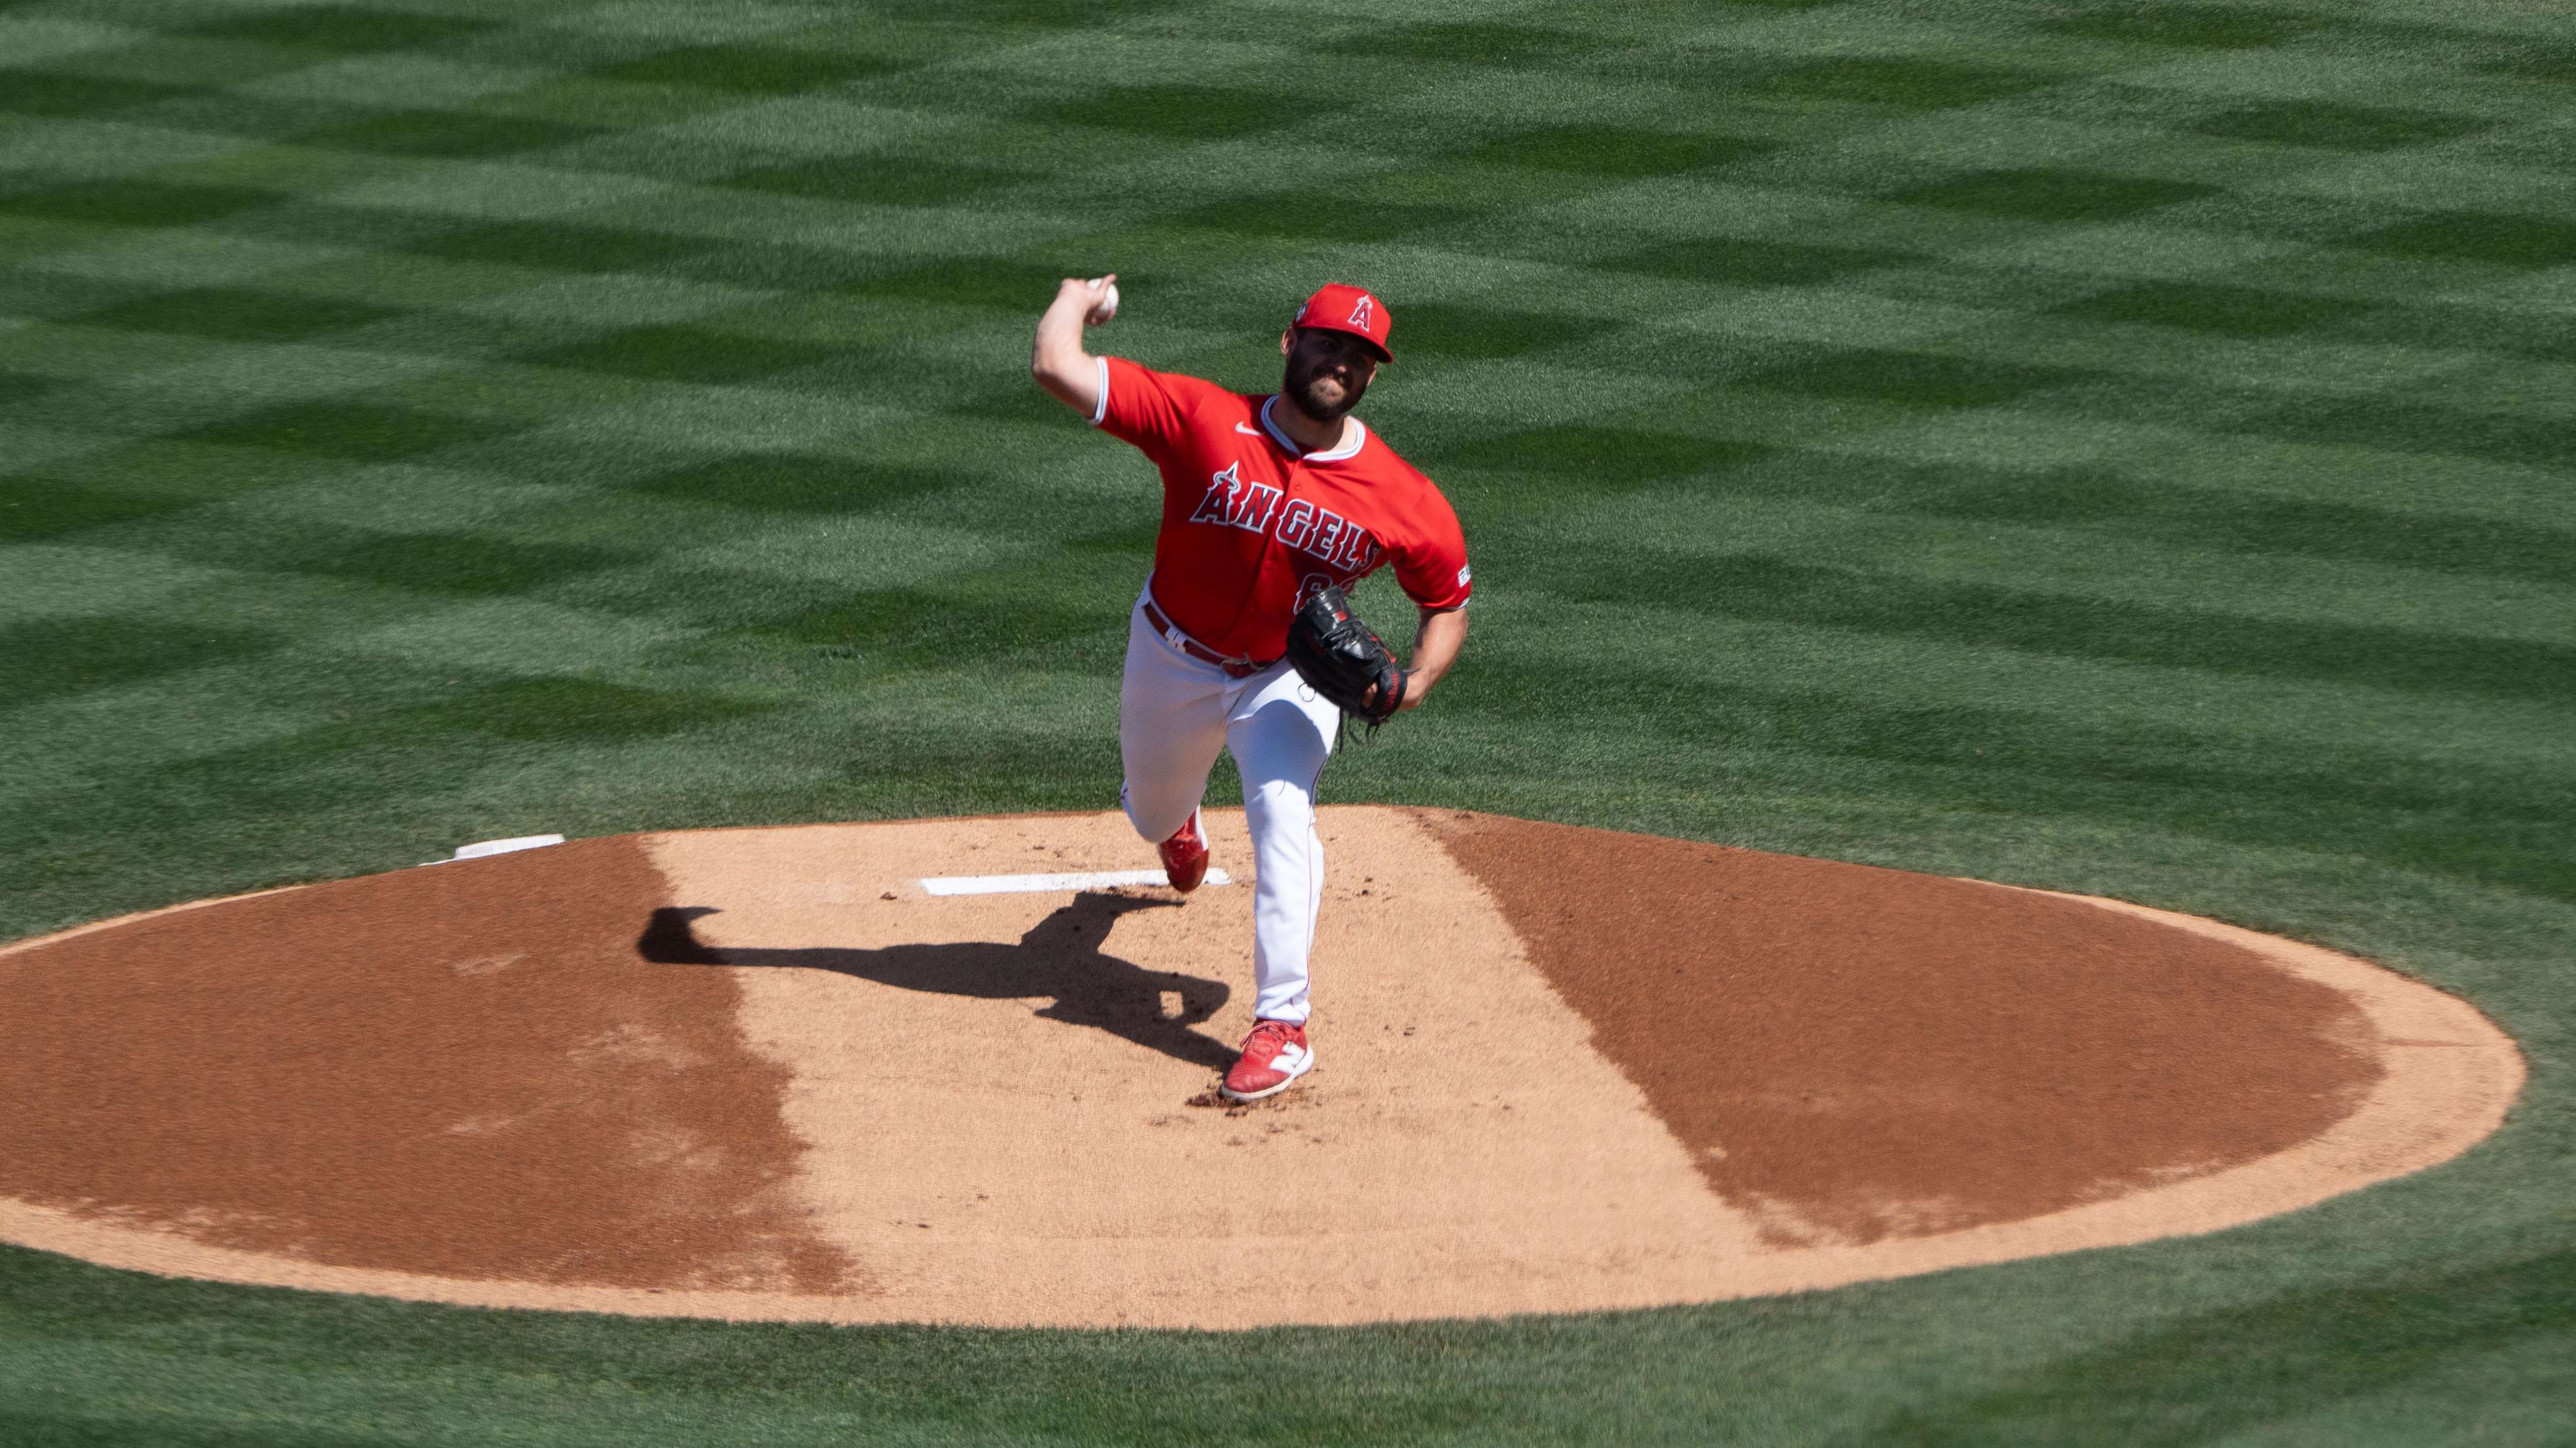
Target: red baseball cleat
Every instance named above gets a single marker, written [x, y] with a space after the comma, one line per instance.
[1185, 856]
[1274, 1055]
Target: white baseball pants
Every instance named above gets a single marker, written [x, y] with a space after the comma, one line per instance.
[1174, 713]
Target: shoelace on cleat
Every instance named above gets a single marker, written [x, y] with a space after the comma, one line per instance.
[1262, 1046]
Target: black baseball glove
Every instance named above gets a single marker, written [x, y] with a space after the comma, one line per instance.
[1342, 658]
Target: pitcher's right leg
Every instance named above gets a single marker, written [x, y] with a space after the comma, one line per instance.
[1281, 737]
[1171, 723]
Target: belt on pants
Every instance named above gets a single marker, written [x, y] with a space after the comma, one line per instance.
[1234, 668]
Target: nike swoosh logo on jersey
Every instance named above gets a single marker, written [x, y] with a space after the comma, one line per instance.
[1247, 431]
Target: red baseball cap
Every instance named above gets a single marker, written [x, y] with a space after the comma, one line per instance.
[1338, 308]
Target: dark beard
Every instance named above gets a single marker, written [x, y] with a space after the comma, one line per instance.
[1299, 384]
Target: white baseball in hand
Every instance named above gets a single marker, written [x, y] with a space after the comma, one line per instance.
[1106, 308]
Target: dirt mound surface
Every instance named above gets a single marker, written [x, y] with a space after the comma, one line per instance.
[796, 1073]
[1855, 1052]
[448, 1070]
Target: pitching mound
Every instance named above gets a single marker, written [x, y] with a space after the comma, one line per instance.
[795, 1073]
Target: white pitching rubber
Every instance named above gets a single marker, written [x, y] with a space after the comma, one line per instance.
[503, 847]
[1040, 884]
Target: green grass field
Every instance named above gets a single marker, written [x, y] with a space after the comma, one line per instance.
[2119, 447]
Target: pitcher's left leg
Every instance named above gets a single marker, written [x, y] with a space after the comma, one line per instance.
[1281, 735]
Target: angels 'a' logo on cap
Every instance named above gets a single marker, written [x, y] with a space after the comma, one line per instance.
[1364, 316]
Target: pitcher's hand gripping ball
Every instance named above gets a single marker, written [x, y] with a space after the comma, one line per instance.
[1342, 658]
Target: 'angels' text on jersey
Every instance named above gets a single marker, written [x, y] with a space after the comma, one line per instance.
[1234, 502]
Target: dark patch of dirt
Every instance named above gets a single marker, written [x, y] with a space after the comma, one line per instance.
[1854, 1053]
[464, 1070]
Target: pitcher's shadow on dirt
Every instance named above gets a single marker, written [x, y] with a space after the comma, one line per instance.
[1060, 956]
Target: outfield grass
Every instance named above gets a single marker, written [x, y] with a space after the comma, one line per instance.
[2118, 447]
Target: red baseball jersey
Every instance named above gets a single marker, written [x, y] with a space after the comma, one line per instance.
[1250, 523]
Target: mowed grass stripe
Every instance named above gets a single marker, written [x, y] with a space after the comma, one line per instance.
[686, 493]
[2094, 595]
[434, 735]
[120, 483]
[54, 657]
[1684, 525]
[457, 419]
[1907, 672]
[539, 242]
[1895, 460]
[495, 126]
[409, 411]
[1964, 373]
[1871, 79]
[755, 55]
[730, 507]
[1752, 586]
[1610, 433]
[2253, 787]
[698, 242]
[2016, 184]
[2101, 499]
[1915, 377]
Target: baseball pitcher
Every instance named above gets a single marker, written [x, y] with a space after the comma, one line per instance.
[1273, 507]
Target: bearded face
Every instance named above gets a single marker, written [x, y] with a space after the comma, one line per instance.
[1328, 373]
